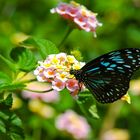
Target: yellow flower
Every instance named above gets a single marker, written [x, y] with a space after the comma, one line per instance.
[76, 66]
[77, 54]
[17, 102]
[46, 65]
[55, 60]
[126, 98]
[41, 109]
[62, 76]
[71, 59]
[35, 105]
[75, 3]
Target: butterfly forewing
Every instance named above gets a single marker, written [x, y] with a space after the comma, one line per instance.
[108, 76]
[122, 61]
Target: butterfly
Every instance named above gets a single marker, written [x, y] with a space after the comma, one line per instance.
[107, 77]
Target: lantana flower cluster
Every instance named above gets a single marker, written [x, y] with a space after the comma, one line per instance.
[56, 70]
[83, 18]
[74, 124]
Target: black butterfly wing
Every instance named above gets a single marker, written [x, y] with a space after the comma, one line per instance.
[108, 76]
[107, 88]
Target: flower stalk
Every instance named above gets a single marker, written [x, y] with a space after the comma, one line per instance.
[65, 37]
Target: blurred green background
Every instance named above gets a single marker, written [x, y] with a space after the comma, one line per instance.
[121, 29]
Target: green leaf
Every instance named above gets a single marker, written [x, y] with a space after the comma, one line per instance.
[93, 111]
[12, 86]
[24, 58]
[87, 106]
[66, 100]
[7, 84]
[3, 116]
[45, 47]
[15, 120]
[2, 127]
[10, 123]
[4, 79]
[15, 131]
[15, 136]
[8, 101]
[11, 65]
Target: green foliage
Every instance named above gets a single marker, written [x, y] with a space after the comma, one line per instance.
[93, 111]
[24, 58]
[7, 102]
[6, 83]
[4, 79]
[86, 103]
[45, 47]
[66, 100]
[10, 64]
[11, 126]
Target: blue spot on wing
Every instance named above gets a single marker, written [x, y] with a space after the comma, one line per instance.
[120, 62]
[91, 70]
[121, 71]
[128, 66]
[110, 69]
[117, 59]
[130, 57]
[113, 65]
[115, 53]
[105, 64]
[120, 67]
[128, 51]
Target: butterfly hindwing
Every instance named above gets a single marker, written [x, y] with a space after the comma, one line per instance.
[109, 88]
[108, 76]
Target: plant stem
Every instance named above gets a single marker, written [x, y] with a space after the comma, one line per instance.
[65, 37]
[37, 133]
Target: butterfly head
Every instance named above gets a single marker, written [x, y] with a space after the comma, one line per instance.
[77, 74]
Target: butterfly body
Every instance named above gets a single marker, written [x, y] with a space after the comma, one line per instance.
[108, 76]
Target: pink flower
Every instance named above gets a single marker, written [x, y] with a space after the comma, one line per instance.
[83, 18]
[73, 124]
[58, 85]
[39, 72]
[72, 85]
[49, 73]
[62, 57]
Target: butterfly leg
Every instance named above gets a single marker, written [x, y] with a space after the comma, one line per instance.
[80, 86]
